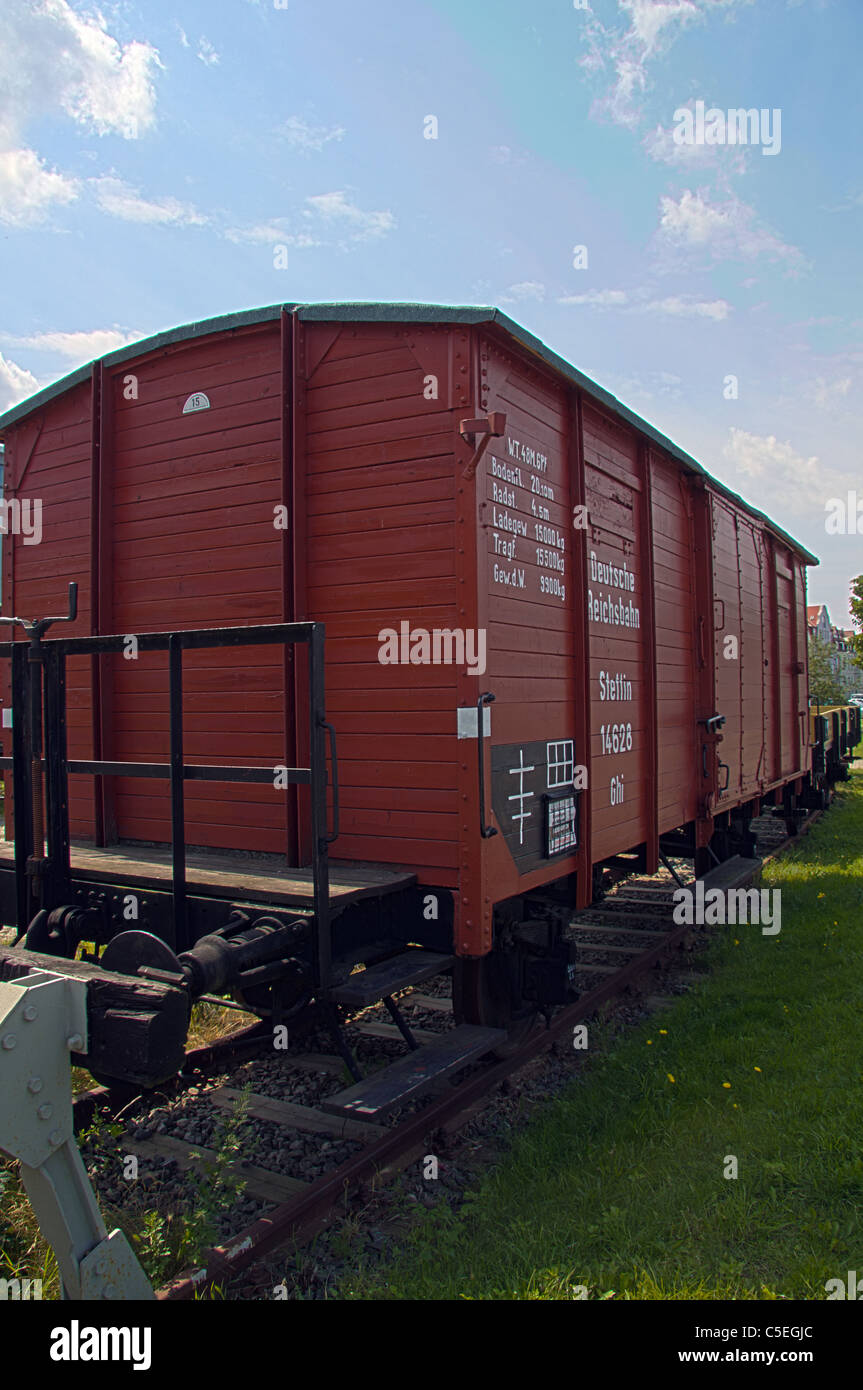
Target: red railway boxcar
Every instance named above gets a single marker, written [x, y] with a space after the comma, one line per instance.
[553, 641]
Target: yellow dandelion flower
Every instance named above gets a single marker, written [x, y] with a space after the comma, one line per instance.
[727, 1085]
[650, 1042]
[757, 1068]
[664, 1030]
[737, 943]
[670, 1077]
[821, 895]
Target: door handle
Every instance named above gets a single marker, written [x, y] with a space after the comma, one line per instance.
[485, 830]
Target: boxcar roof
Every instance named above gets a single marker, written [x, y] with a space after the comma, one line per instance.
[395, 313]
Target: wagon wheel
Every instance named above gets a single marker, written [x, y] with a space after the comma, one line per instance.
[485, 992]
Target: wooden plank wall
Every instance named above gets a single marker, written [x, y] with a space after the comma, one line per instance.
[381, 549]
[674, 581]
[48, 458]
[194, 546]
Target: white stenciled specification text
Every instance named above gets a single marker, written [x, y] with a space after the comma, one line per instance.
[523, 533]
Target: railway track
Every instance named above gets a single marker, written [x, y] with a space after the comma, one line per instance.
[315, 1157]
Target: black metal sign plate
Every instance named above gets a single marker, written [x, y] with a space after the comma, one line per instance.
[527, 779]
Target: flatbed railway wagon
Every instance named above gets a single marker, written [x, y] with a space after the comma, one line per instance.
[392, 631]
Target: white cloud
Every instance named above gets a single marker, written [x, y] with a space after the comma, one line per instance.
[28, 188]
[775, 469]
[336, 209]
[526, 289]
[16, 383]
[647, 386]
[728, 229]
[207, 53]
[305, 137]
[54, 58]
[601, 299]
[119, 199]
[660, 145]
[652, 27]
[648, 18]
[693, 220]
[110, 88]
[678, 307]
[826, 393]
[77, 346]
[331, 211]
[51, 55]
[272, 233]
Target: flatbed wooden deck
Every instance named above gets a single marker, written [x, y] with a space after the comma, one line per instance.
[227, 875]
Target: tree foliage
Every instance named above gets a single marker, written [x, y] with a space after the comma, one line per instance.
[824, 684]
[857, 614]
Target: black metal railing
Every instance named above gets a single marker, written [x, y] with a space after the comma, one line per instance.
[44, 880]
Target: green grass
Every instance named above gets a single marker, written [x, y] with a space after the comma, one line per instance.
[617, 1185]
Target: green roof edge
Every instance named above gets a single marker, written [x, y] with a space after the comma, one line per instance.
[365, 312]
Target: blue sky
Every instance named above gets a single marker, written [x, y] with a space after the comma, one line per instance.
[152, 157]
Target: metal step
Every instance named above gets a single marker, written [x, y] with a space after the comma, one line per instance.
[736, 872]
[411, 1076]
[389, 976]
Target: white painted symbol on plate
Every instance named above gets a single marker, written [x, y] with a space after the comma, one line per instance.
[560, 760]
[521, 796]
